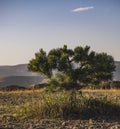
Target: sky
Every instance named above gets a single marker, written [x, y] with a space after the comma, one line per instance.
[28, 25]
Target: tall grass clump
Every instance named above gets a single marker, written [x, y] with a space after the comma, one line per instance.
[69, 105]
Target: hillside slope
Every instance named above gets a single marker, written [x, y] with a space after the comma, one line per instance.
[25, 81]
[117, 72]
[18, 75]
[17, 70]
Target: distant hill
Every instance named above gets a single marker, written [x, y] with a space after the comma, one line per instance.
[117, 72]
[23, 81]
[18, 75]
[17, 70]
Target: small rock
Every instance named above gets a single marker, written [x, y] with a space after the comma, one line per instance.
[115, 127]
[90, 121]
[75, 128]
[64, 124]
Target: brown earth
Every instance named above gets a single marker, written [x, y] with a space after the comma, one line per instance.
[59, 124]
[16, 98]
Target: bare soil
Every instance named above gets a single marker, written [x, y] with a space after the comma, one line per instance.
[16, 98]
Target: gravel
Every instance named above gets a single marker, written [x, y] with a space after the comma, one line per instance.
[59, 124]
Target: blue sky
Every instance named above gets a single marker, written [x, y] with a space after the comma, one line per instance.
[28, 25]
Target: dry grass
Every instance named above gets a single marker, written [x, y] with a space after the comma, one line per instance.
[102, 91]
[23, 91]
[38, 103]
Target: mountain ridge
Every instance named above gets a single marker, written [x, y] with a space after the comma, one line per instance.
[16, 70]
[116, 73]
[19, 75]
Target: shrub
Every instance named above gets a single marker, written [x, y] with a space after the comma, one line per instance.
[69, 105]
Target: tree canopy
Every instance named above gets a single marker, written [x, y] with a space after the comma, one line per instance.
[79, 64]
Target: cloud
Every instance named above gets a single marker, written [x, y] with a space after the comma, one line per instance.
[81, 9]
